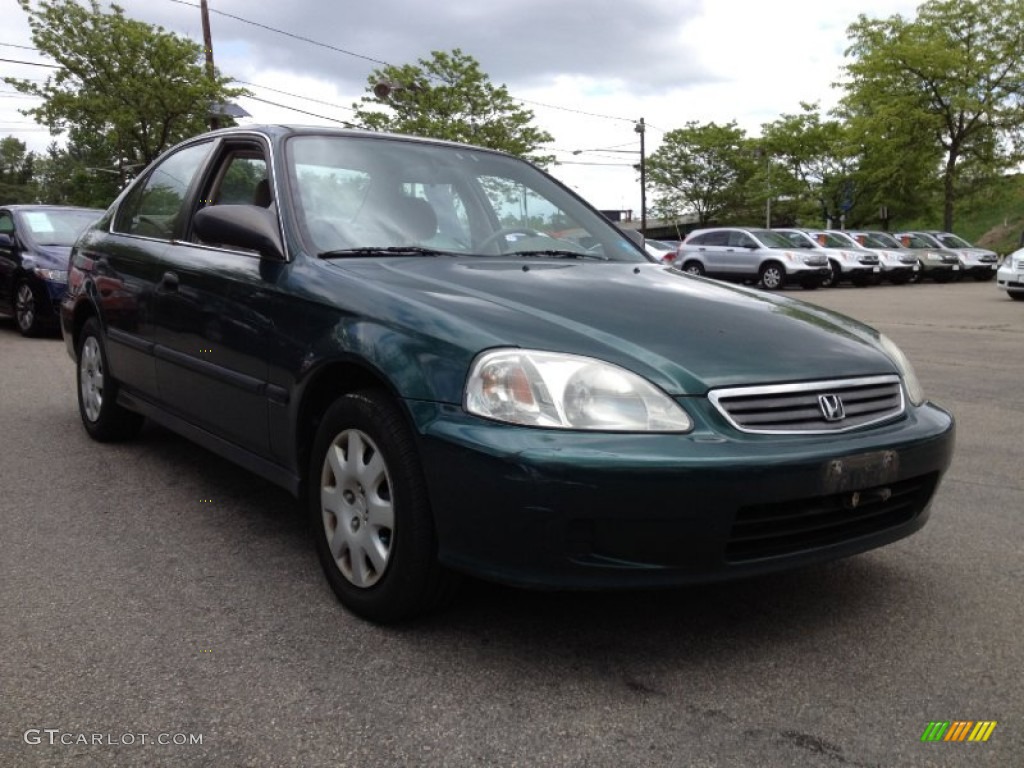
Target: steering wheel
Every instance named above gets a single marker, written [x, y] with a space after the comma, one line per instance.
[495, 237]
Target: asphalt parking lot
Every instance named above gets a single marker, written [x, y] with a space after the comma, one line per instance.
[152, 588]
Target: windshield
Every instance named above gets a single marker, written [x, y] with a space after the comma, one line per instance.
[56, 227]
[373, 196]
[878, 240]
[833, 240]
[917, 240]
[772, 239]
[952, 241]
[796, 239]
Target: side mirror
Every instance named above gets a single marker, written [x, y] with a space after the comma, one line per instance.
[242, 226]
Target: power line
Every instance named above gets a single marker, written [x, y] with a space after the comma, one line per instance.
[295, 95]
[302, 111]
[32, 63]
[388, 64]
[15, 45]
[288, 34]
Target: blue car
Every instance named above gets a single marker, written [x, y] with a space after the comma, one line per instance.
[35, 242]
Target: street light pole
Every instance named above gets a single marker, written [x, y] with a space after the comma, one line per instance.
[640, 128]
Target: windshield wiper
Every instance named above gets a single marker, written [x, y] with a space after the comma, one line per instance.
[391, 250]
[560, 254]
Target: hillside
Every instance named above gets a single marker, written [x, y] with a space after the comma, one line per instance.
[996, 219]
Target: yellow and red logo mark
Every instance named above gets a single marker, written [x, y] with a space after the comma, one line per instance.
[958, 730]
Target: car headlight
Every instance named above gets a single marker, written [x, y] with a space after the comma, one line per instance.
[53, 275]
[914, 390]
[547, 389]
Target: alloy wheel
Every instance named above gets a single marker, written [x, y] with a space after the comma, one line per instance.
[91, 378]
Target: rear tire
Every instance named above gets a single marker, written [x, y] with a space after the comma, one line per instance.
[369, 512]
[694, 268]
[102, 417]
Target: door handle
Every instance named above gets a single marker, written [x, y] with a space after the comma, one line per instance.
[169, 281]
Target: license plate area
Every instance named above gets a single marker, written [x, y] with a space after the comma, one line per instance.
[865, 470]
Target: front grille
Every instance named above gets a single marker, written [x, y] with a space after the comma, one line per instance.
[815, 261]
[771, 530]
[811, 407]
[869, 259]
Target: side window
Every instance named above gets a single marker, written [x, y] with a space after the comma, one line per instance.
[243, 181]
[6, 224]
[716, 238]
[155, 208]
[698, 240]
[741, 240]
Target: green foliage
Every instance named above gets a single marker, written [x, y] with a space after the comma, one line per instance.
[125, 90]
[813, 164]
[449, 97]
[701, 169]
[17, 171]
[939, 95]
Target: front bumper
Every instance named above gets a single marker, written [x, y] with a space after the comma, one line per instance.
[978, 268]
[586, 510]
[805, 274]
[1009, 279]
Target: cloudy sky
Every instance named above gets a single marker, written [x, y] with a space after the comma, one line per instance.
[587, 68]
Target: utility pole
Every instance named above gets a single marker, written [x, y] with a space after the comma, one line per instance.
[208, 47]
[641, 128]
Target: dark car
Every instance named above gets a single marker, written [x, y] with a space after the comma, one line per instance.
[464, 368]
[35, 241]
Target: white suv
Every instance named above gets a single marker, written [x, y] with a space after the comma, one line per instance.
[846, 260]
[1010, 276]
[749, 255]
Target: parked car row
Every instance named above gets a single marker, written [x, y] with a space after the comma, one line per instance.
[823, 258]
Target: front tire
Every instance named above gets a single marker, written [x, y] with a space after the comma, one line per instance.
[103, 418]
[835, 273]
[1016, 295]
[369, 512]
[773, 276]
[27, 309]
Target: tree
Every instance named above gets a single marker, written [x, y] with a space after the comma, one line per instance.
[17, 171]
[449, 97]
[125, 90]
[73, 175]
[817, 160]
[952, 78]
[700, 169]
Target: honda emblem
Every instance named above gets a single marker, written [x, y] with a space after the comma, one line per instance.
[831, 407]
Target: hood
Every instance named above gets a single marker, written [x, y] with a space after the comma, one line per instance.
[979, 253]
[683, 333]
[47, 256]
